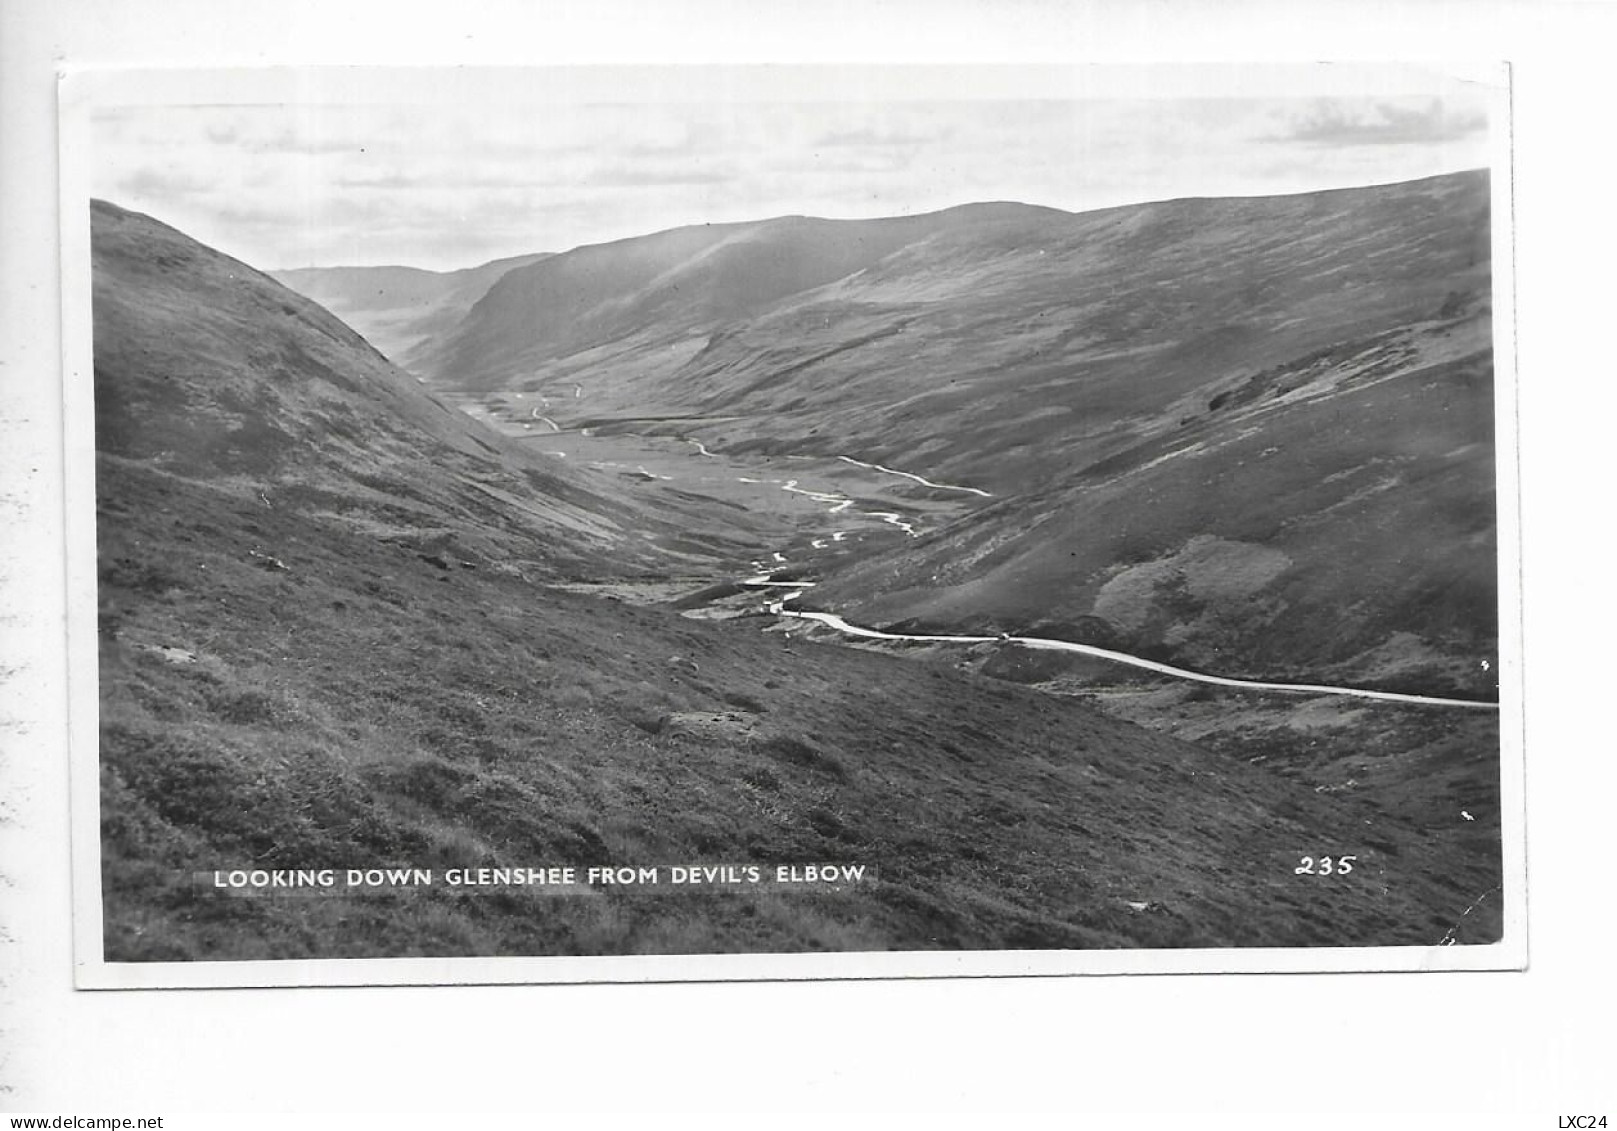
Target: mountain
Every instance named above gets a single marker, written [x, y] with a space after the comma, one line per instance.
[208, 370]
[668, 291]
[1251, 435]
[342, 626]
[397, 308]
[1288, 473]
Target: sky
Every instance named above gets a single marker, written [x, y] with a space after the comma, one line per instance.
[454, 171]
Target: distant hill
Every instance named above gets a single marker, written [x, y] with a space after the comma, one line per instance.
[397, 308]
[1252, 434]
[343, 626]
[668, 288]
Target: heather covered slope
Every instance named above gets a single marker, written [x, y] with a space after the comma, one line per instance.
[1016, 340]
[1249, 435]
[1338, 525]
[1310, 493]
[362, 709]
[650, 301]
[208, 369]
[343, 627]
[398, 308]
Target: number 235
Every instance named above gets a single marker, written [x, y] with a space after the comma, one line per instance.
[1324, 866]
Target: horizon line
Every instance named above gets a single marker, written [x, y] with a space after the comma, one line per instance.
[1483, 169]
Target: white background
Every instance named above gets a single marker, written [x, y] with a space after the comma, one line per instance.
[1538, 1041]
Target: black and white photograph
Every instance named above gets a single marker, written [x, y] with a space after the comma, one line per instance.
[711, 522]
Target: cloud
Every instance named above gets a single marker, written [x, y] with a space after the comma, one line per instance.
[846, 163]
[628, 175]
[297, 142]
[447, 185]
[246, 216]
[163, 184]
[1331, 124]
[869, 136]
[385, 181]
[673, 138]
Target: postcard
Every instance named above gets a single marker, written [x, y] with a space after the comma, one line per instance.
[685, 523]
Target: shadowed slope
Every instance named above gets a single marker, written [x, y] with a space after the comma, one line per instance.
[670, 286]
[208, 369]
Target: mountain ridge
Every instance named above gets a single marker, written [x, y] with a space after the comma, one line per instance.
[209, 369]
[725, 269]
[1110, 378]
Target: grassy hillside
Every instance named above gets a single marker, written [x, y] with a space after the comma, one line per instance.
[1252, 435]
[1340, 524]
[363, 708]
[340, 627]
[207, 369]
[651, 300]
[1329, 514]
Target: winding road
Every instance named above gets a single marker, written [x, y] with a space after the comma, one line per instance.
[832, 620]
[917, 478]
[838, 503]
